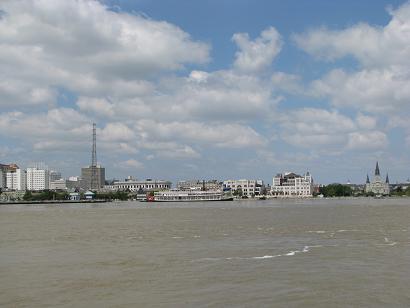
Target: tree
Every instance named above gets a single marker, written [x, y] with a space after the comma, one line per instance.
[238, 192]
[336, 190]
[28, 196]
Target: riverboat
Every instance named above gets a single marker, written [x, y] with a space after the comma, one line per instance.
[191, 195]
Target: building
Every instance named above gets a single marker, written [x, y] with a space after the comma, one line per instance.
[291, 184]
[16, 179]
[249, 188]
[377, 186]
[138, 185]
[197, 184]
[3, 173]
[60, 184]
[55, 175]
[2, 179]
[89, 195]
[8, 168]
[74, 196]
[38, 178]
[86, 175]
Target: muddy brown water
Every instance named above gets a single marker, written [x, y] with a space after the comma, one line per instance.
[273, 253]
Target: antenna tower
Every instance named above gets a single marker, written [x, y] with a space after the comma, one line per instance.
[94, 180]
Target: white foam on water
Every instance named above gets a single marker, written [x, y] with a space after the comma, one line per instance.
[343, 230]
[306, 249]
[196, 236]
[388, 242]
[207, 259]
[318, 231]
[177, 237]
[266, 257]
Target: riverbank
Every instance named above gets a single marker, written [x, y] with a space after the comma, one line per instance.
[54, 201]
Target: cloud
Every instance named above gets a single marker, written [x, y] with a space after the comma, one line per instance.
[85, 47]
[255, 56]
[328, 131]
[169, 150]
[116, 132]
[367, 140]
[184, 152]
[216, 135]
[98, 106]
[146, 84]
[372, 46]
[24, 93]
[130, 164]
[290, 83]
[58, 123]
[214, 96]
[121, 67]
[366, 122]
[375, 91]
[382, 83]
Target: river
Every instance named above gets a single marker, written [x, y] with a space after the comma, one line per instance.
[272, 253]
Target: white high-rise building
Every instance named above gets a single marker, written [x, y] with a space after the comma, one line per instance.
[38, 179]
[290, 184]
[16, 180]
[2, 179]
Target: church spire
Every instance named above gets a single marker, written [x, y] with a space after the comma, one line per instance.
[387, 179]
[377, 171]
[367, 180]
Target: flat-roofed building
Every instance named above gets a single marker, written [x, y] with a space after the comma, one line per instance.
[246, 187]
[16, 179]
[197, 184]
[4, 168]
[290, 184]
[86, 176]
[140, 185]
[2, 179]
[38, 178]
[55, 175]
[60, 184]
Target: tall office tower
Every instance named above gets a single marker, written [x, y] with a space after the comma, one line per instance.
[15, 179]
[38, 178]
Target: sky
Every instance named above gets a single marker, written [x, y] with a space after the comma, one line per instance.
[217, 89]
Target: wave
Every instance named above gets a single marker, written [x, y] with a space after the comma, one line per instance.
[265, 257]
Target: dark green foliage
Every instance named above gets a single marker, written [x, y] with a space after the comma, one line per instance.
[238, 192]
[45, 195]
[118, 195]
[399, 191]
[336, 190]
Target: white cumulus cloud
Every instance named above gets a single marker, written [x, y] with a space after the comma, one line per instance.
[256, 55]
[382, 82]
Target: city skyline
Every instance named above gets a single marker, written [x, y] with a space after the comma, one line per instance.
[203, 92]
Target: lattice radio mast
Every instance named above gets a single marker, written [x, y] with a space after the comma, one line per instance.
[94, 180]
